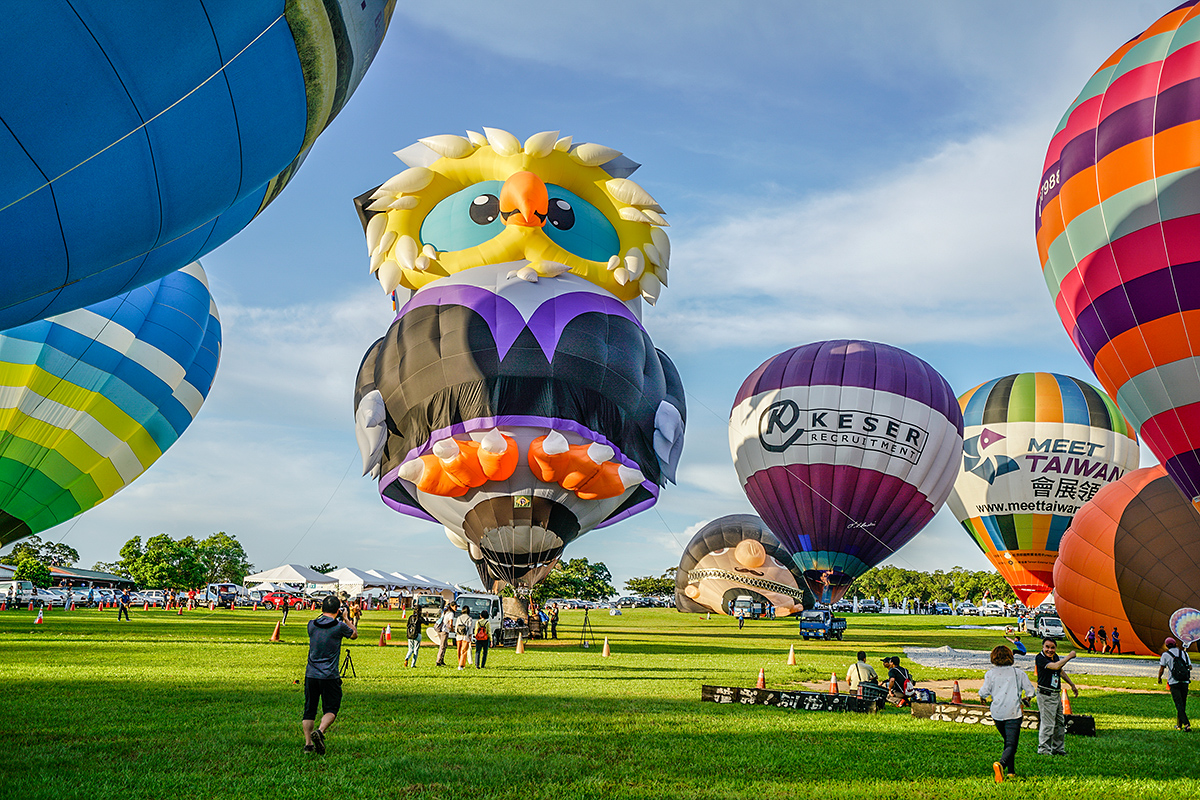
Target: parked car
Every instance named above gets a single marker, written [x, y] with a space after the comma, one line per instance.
[45, 597]
[20, 593]
[155, 597]
[278, 599]
[968, 609]
[942, 609]
[869, 606]
[993, 608]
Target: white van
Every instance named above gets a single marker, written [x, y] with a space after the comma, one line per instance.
[20, 593]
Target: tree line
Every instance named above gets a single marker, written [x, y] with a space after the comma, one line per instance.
[894, 583]
[161, 563]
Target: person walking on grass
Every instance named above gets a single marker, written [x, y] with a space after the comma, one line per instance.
[1175, 658]
[483, 641]
[741, 618]
[123, 605]
[1052, 725]
[1007, 689]
[445, 629]
[322, 683]
[1116, 641]
[413, 633]
[1091, 639]
[1102, 637]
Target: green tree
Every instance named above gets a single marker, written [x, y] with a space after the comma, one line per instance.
[111, 567]
[32, 570]
[163, 562]
[52, 553]
[224, 559]
[650, 586]
[577, 578]
[324, 569]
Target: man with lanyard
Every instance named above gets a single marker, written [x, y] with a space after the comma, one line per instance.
[1052, 725]
[445, 626]
[861, 672]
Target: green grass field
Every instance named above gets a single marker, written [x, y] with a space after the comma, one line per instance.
[203, 706]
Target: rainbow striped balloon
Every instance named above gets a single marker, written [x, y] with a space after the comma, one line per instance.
[1037, 447]
[1118, 233]
[91, 398]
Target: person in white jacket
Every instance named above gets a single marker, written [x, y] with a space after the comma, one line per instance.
[1007, 689]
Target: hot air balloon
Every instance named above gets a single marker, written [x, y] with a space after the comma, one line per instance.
[734, 556]
[517, 399]
[137, 138]
[1116, 232]
[1037, 446]
[1131, 560]
[846, 449]
[91, 398]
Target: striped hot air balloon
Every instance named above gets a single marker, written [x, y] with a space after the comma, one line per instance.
[1118, 234]
[91, 398]
[846, 449]
[1036, 447]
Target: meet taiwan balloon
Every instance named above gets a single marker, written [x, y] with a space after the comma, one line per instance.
[516, 398]
[734, 556]
[139, 136]
[846, 449]
[1037, 447]
[1116, 220]
[1131, 560]
[91, 398]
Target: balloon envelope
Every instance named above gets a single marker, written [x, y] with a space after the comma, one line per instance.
[1130, 559]
[1116, 223]
[91, 398]
[734, 556]
[1037, 447]
[846, 449]
[137, 139]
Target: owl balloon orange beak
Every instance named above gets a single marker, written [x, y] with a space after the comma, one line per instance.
[524, 200]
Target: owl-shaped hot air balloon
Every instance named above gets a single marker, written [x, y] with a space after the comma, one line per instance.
[1038, 446]
[516, 398]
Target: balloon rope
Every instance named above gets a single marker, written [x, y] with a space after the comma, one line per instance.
[894, 551]
[195, 89]
[322, 511]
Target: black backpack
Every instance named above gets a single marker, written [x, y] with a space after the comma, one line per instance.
[1181, 668]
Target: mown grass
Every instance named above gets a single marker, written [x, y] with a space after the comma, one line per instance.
[204, 706]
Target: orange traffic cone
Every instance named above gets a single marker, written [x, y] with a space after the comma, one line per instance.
[146, 606]
[956, 697]
[383, 639]
[791, 662]
[833, 683]
[212, 605]
[39, 619]
[3, 605]
[31, 606]
[275, 635]
[256, 606]
[72, 605]
[520, 644]
[388, 630]
[1066, 701]
[762, 679]
[179, 610]
[606, 653]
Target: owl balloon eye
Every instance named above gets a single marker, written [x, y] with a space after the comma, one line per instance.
[485, 209]
[561, 215]
[465, 219]
[578, 227]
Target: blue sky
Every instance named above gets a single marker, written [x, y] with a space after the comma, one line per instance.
[861, 170]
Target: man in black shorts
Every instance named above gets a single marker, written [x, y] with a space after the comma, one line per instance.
[321, 679]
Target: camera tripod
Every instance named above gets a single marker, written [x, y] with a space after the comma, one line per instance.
[347, 665]
[586, 633]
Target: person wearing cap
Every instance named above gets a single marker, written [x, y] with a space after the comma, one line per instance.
[1052, 724]
[900, 685]
[1173, 652]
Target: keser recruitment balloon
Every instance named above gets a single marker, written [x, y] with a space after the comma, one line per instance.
[737, 556]
[1116, 223]
[517, 398]
[136, 137]
[846, 449]
[1036, 447]
[1131, 560]
[91, 398]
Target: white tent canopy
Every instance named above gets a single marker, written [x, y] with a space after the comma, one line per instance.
[292, 573]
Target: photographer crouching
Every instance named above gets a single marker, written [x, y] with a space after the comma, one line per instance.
[321, 679]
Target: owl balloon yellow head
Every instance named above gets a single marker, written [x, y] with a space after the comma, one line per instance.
[546, 207]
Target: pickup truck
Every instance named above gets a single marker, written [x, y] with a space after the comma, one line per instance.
[821, 624]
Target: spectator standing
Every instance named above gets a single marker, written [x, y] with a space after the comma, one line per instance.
[322, 683]
[1052, 725]
[553, 626]
[1175, 658]
[413, 633]
[123, 605]
[1007, 689]
[1116, 640]
[741, 618]
[445, 628]
[464, 630]
[1103, 638]
[1091, 639]
[483, 640]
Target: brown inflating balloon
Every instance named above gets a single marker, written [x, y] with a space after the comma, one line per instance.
[1130, 559]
